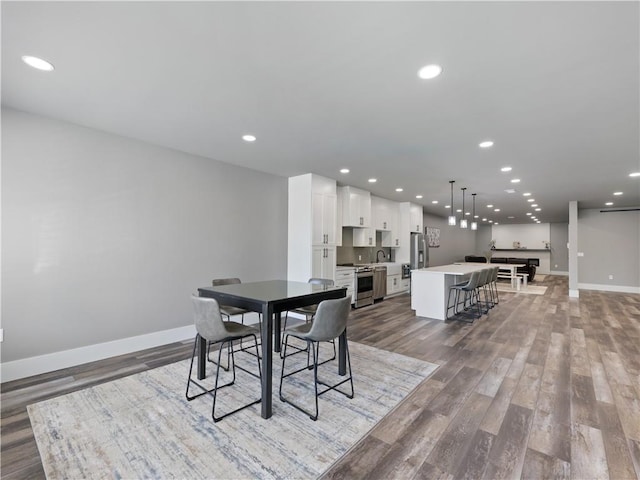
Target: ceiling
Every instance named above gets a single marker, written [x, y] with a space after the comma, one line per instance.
[327, 85]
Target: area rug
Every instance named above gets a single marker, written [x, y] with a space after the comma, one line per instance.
[141, 426]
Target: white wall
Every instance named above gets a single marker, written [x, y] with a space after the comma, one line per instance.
[529, 235]
[105, 238]
[610, 243]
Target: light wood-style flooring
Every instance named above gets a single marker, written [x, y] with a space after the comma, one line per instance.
[544, 386]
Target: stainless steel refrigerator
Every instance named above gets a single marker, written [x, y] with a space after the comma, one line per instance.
[419, 251]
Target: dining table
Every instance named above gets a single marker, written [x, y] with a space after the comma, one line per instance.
[270, 298]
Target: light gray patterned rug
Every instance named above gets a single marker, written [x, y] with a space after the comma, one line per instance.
[142, 427]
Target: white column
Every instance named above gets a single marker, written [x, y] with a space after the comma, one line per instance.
[573, 249]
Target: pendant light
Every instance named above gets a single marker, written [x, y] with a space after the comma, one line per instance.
[474, 224]
[452, 217]
[463, 221]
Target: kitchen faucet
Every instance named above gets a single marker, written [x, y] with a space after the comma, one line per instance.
[384, 255]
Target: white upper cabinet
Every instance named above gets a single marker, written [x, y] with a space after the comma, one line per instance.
[381, 213]
[356, 207]
[364, 237]
[323, 206]
[415, 218]
[385, 215]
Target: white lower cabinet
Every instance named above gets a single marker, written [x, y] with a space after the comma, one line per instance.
[393, 284]
[323, 262]
[345, 277]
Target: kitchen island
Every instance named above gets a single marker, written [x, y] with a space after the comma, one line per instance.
[430, 287]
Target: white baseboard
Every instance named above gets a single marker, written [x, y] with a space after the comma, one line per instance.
[559, 272]
[574, 293]
[609, 288]
[77, 356]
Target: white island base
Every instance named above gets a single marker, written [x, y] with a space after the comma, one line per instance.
[430, 288]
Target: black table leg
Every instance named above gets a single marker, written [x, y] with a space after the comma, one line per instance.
[267, 359]
[202, 358]
[342, 353]
[277, 326]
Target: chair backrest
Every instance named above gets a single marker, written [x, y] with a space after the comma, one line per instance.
[474, 280]
[483, 279]
[327, 282]
[330, 319]
[207, 318]
[216, 282]
[494, 274]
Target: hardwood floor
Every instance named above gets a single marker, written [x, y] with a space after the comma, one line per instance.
[543, 387]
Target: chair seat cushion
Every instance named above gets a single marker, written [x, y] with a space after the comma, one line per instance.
[299, 331]
[309, 310]
[238, 330]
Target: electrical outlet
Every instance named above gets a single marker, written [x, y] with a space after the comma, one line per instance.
[555, 266]
[581, 254]
[610, 277]
[359, 257]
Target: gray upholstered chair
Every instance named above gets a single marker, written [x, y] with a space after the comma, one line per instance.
[308, 311]
[228, 310]
[330, 321]
[211, 328]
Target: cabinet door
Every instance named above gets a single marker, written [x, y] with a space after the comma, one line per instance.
[364, 237]
[380, 214]
[416, 221]
[329, 205]
[356, 207]
[324, 219]
[323, 262]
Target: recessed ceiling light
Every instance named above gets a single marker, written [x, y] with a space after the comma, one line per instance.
[418, 196]
[435, 202]
[344, 170]
[429, 71]
[528, 213]
[510, 190]
[484, 219]
[459, 210]
[38, 63]
[526, 194]
[486, 144]
[608, 204]
[531, 199]
[496, 223]
[617, 193]
[511, 216]
[538, 209]
[476, 216]
[490, 221]
[399, 189]
[505, 169]
[515, 180]
[534, 204]
[467, 213]
[489, 206]
[249, 138]
[496, 209]
[634, 174]
[373, 180]
[447, 206]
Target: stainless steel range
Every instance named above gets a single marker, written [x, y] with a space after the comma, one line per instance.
[363, 285]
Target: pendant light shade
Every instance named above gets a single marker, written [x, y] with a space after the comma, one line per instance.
[474, 224]
[452, 217]
[463, 221]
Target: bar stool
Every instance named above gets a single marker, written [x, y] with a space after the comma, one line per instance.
[470, 293]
